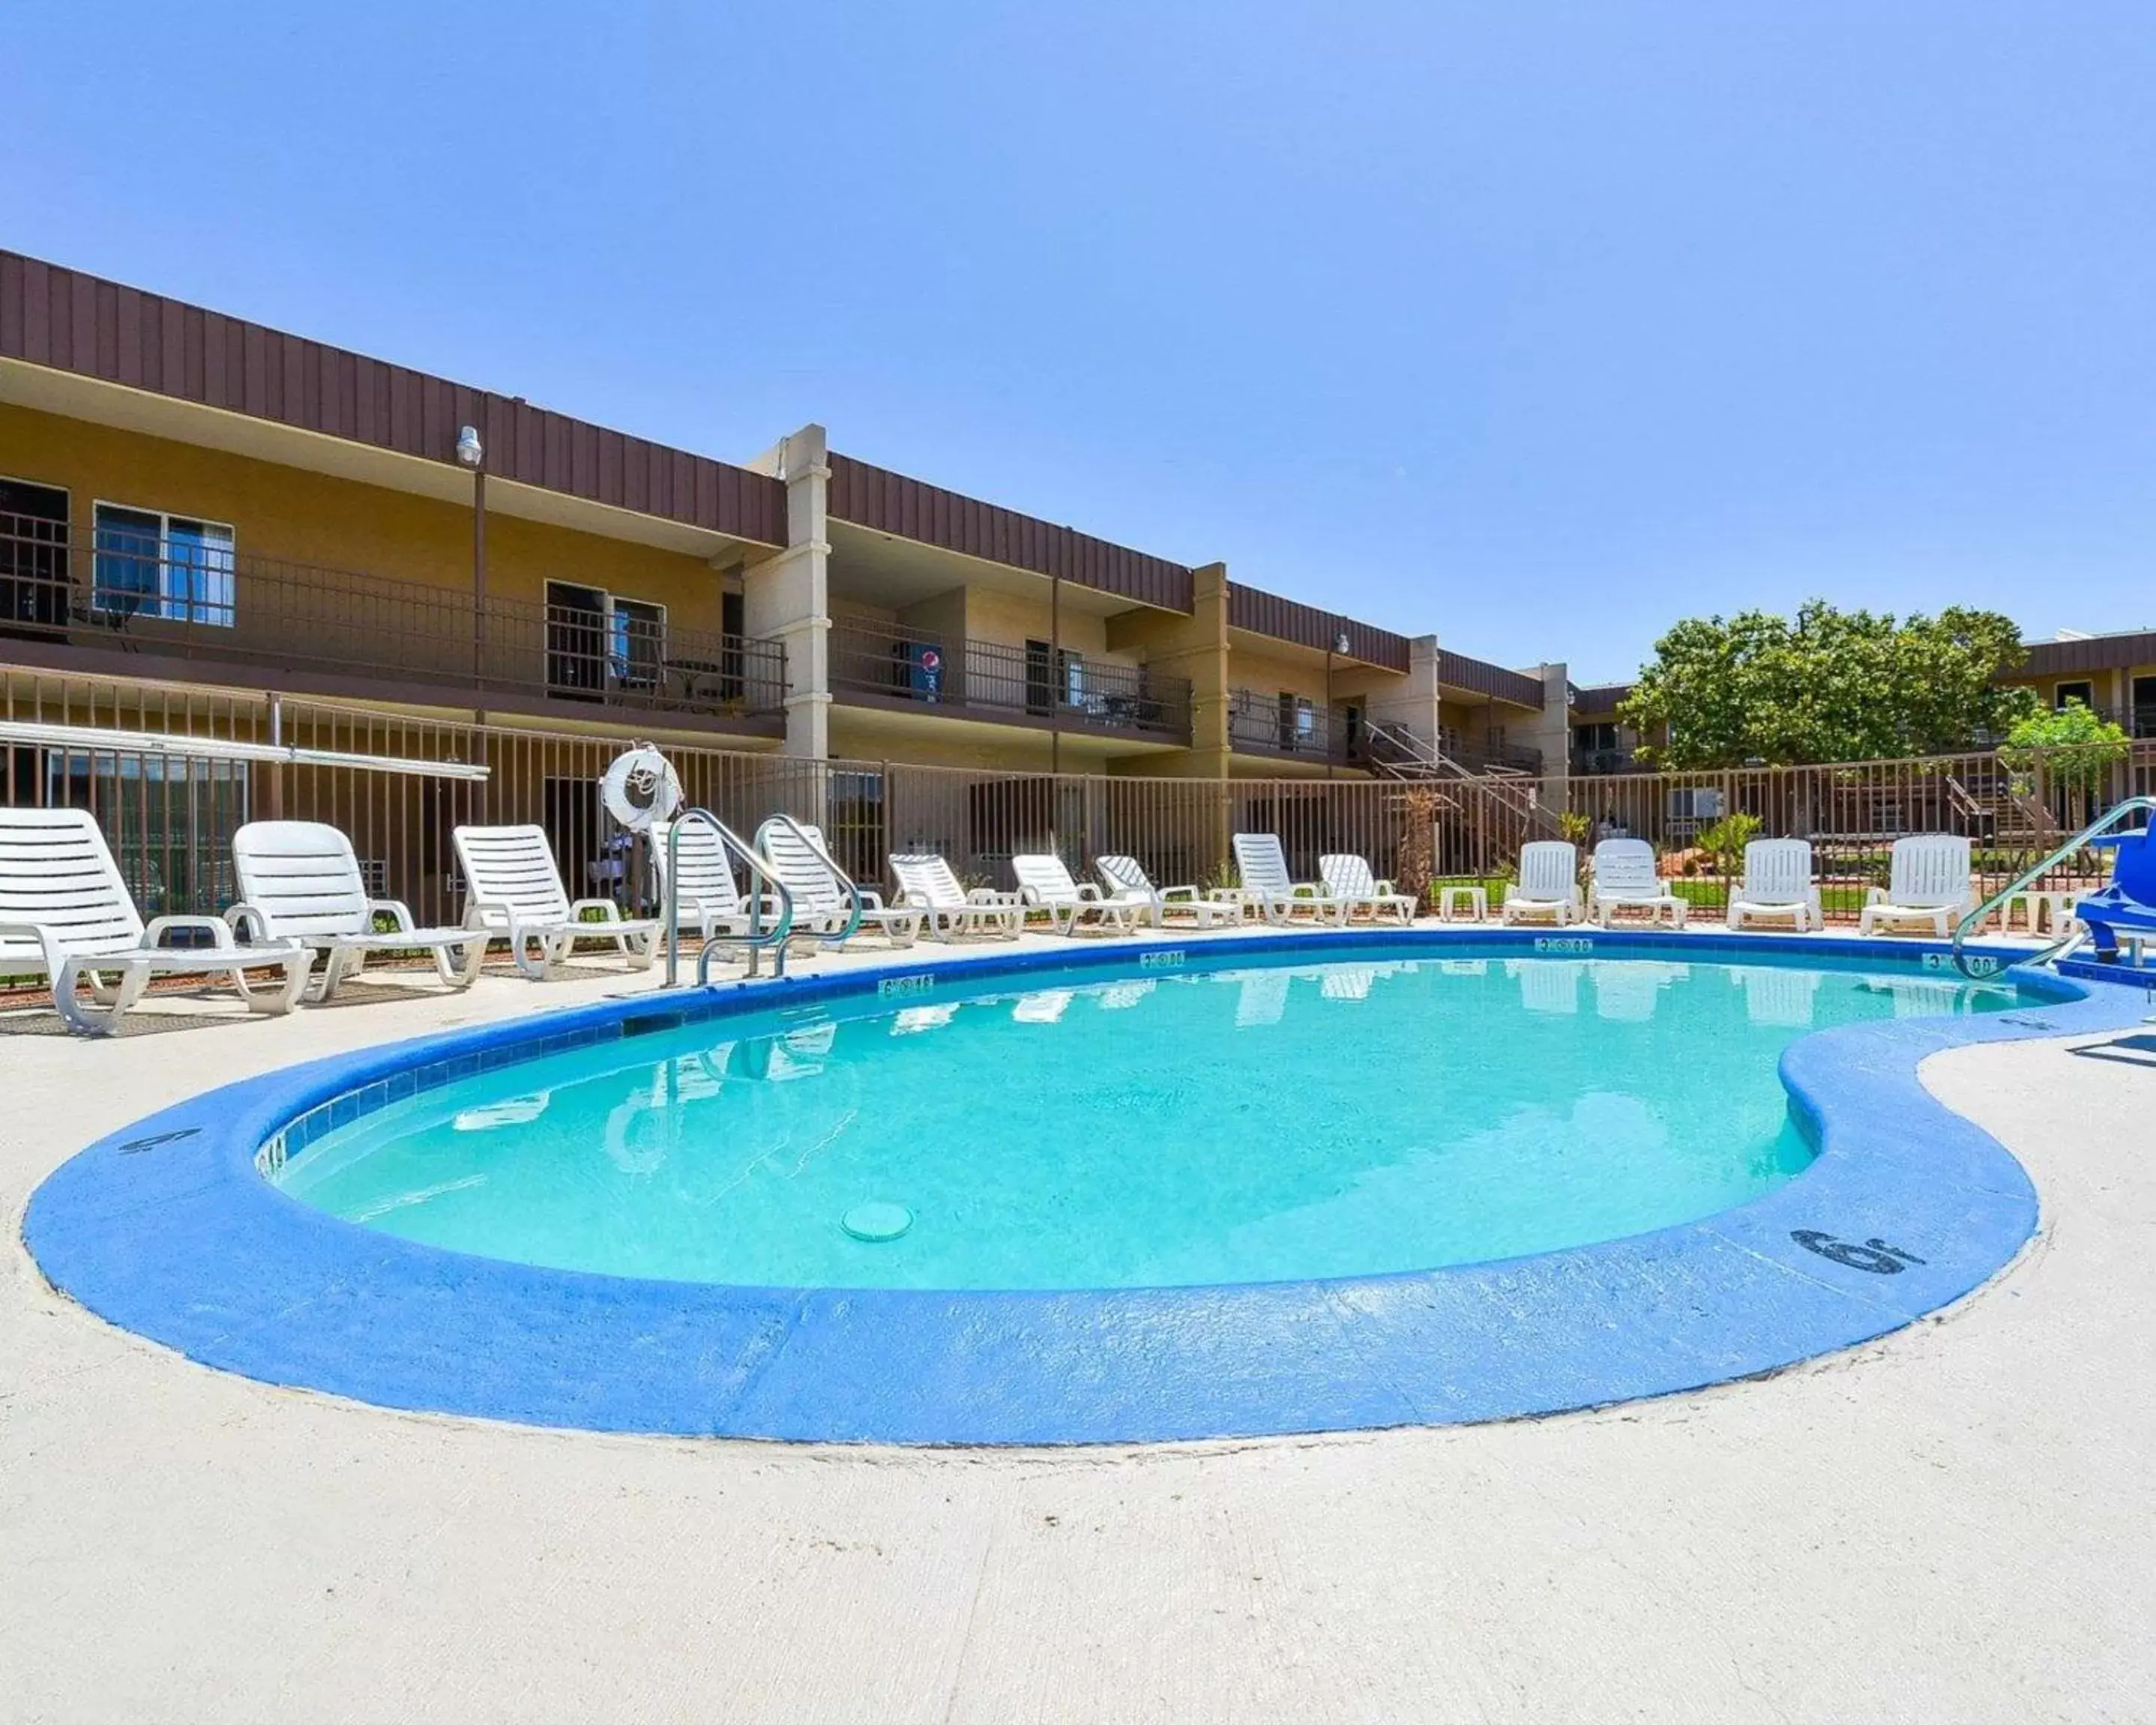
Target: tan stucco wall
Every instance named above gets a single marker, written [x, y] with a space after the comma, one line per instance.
[296, 517]
[2112, 689]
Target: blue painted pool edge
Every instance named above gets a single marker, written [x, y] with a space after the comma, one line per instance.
[166, 1229]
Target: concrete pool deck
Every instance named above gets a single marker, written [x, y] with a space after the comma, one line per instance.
[1952, 1523]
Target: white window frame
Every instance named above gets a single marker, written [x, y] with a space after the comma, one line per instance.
[170, 608]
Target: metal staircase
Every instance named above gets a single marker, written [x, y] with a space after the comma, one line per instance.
[1499, 794]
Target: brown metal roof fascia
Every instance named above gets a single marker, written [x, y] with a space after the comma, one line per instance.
[887, 502]
[73, 322]
[1268, 613]
[2051, 658]
[1600, 697]
[1456, 670]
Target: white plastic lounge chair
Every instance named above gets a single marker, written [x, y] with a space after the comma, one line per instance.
[1623, 878]
[1125, 878]
[711, 901]
[1548, 885]
[1627, 989]
[1778, 882]
[514, 891]
[1927, 881]
[65, 911]
[822, 906]
[1547, 985]
[926, 884]
[1044, 884]
[1350, 879]
[300, 881]
[1270, 891]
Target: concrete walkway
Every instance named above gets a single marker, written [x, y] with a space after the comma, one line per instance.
[1957, 1524]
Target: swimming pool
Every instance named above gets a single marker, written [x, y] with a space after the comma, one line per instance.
[180, 1227]
[1354, 1117]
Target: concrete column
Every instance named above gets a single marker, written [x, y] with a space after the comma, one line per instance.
[1550, 731]
[788, 596]
[1409, 702]
[1194, 647]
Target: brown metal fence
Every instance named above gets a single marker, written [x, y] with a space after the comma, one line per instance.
[2013, 812]
[171, 816]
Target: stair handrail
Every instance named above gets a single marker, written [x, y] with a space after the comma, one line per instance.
[729, 842]
[2103, 824]
[853, 887]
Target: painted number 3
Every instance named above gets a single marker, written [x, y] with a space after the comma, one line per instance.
[1874, 1255]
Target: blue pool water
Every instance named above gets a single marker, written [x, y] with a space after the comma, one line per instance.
[1256, 1124]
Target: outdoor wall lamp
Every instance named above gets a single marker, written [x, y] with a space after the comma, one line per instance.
[467, 446]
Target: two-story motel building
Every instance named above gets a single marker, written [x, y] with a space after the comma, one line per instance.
[189, 498]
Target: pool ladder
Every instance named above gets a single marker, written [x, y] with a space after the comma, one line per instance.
[2075, 936]
[758, 939]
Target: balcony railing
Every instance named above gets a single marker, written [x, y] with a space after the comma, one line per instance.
[1296, 729]
[189, 599]
[990, 680]
[1489, 753]
[1591, 762]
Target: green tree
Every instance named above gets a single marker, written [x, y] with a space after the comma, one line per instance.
[2078, 747]
[1826, 685]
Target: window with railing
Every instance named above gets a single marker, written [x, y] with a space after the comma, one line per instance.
[147, 563]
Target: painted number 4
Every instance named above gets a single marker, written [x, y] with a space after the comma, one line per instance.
[1874, 1255]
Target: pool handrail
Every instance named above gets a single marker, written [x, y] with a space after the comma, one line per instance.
[756, 940]
[2074, 936]
[815, 848]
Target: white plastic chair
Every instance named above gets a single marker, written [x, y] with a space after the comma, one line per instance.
[1044, 884]
[1351, 879]
[65, 909]
[1125, 877]
[1623, 878]
[711, 901]
[514, 891]
[1778, 882]
[1548, 885]
[1927, 881]
[822, 904]
[300, 881]
[927, 884]
[1274, 893]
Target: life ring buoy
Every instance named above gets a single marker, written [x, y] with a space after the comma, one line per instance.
[640, 789]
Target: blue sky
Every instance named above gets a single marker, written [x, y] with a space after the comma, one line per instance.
[1538, 326]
